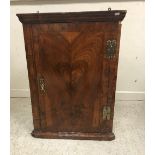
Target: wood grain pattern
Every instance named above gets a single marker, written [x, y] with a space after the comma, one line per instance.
[78, 79]
[73, 70]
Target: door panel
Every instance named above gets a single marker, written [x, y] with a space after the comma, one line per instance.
[71, 64]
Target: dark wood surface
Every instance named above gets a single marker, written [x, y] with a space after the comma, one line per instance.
[79, 80]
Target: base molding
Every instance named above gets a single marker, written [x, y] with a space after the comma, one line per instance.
[73, 135]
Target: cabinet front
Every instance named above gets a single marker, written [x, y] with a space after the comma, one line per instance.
[73, 73]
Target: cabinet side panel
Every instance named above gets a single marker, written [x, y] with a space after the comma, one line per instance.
[27, 28]
[113, 75]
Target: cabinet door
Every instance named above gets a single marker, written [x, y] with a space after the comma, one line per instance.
[72, 75]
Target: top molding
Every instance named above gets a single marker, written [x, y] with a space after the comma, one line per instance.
[69, 17]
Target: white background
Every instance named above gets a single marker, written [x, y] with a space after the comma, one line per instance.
[130, 81]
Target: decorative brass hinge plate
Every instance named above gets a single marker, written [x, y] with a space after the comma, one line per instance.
[41, 83]
[110, 49]
[106, 112]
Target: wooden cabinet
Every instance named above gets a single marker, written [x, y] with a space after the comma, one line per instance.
[72, 63]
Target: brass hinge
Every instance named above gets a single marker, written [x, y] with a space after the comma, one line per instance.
[106, 112]
[41, 83]
[110, 49]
